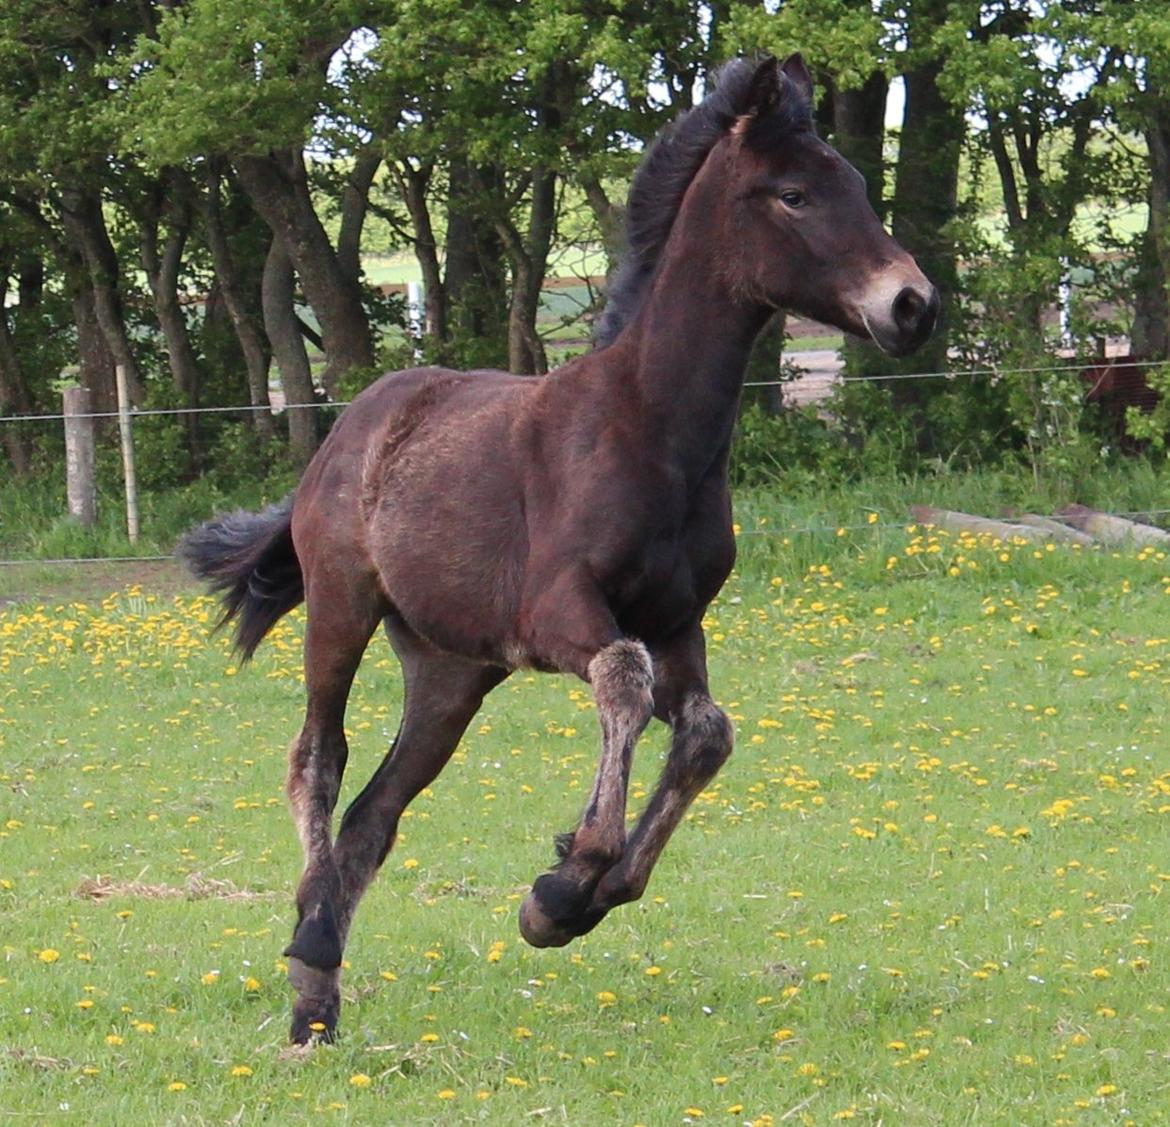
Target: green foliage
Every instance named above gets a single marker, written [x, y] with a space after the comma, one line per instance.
[788, 449]
[1153, 426]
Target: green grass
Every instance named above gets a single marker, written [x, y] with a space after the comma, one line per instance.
[928, 887]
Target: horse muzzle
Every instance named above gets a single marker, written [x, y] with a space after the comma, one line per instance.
[901, 324]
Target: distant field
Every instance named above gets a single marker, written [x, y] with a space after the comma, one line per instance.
[929, 888]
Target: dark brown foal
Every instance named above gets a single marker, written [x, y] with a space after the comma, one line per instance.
[578, 523]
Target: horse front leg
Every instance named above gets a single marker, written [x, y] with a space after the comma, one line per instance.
[701, 741]
[558, 907]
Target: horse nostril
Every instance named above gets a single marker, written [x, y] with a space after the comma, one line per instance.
[909, 309]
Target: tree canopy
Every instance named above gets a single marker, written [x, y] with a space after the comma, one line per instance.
[191, 188]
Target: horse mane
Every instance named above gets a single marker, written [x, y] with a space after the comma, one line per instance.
[666, 171]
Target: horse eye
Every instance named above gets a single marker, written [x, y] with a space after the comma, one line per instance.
[790, 197]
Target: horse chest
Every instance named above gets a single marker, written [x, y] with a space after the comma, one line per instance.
[672, 580]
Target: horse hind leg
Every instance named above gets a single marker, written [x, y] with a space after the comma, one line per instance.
[338, 630]
[442, 695]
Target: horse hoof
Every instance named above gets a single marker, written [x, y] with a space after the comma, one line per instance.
[318, 1005]
[537, 928]
[555, 912]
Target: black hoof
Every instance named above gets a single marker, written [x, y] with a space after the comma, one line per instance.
[557, 911]
[318, 1005]
[313, 1026]
[316, 941]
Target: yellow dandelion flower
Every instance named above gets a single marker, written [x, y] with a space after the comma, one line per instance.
[48, 955]
[360, 1080]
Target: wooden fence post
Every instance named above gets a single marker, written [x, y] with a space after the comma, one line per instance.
[128, 471]
[80, 485]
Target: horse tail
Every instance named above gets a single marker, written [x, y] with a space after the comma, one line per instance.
[250, 560]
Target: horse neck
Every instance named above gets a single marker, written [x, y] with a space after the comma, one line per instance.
[689, 346]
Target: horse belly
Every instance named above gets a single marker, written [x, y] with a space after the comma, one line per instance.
[447, 535]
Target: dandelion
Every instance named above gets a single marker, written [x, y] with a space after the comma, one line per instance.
[241, 1070]
[48, 955]
[176, 1086]
[447, 1094]
[360, 1080]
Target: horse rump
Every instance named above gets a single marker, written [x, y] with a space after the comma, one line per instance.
[249, 559]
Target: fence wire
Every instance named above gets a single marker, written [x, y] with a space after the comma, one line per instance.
[950, 374]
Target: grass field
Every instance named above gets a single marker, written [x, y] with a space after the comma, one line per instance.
[927, 888]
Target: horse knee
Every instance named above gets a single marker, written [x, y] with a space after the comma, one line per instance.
[622, 676]
[708, 734]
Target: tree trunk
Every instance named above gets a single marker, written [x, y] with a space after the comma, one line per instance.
[1152, 314]
[926, 194]
[474, 275]
[288, 346]
[279, 189]
[859, 133]
[253, 344]
[763, 365]
[94, 358]
[925, 202]
[30, 280]
[355, 198]
[85, 226]
[528, 257]
[14, 395]
[162, 265]
[413, 184]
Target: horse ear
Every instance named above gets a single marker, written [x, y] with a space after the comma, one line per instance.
[796, 72]
[765, 91]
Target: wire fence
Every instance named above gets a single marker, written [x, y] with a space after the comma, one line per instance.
[334, 405]
[792, 531]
